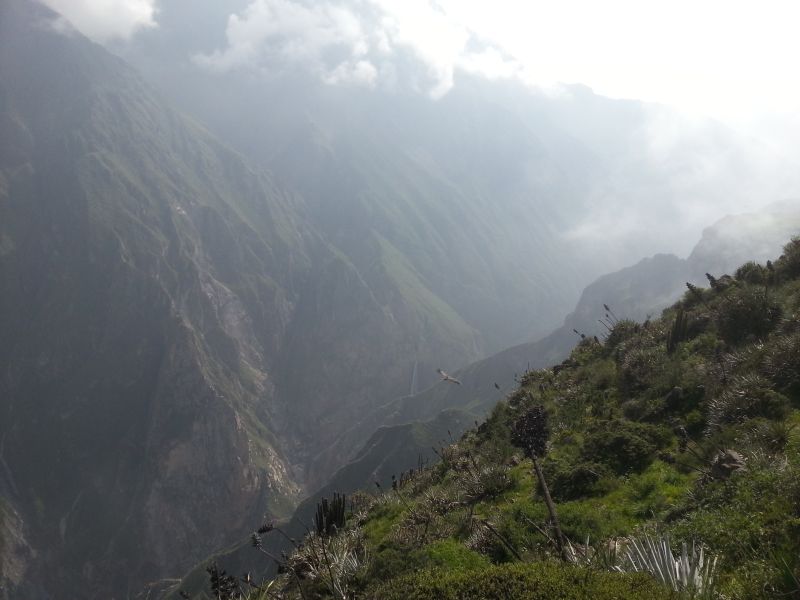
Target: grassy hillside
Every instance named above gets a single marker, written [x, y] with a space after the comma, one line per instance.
[682, 428]
[635, 292]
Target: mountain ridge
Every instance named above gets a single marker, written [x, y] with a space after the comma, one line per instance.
[676, 430]
[406, 432]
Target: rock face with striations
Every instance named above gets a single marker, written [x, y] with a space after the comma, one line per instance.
[178, 339]
[147, 276]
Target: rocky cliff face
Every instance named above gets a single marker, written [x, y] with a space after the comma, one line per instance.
[179, 341]
[147, 278]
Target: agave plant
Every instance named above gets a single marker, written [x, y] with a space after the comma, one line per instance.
[782, 362]
[746, 397]
[690, 572]
[479, 482]
[332, 560]
[772, 436]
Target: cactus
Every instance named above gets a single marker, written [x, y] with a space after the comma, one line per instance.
[678, 332]
[330, 516]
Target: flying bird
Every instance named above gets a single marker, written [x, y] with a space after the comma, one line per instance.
[446, 377]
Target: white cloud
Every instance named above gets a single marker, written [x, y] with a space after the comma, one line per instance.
[286, 30]
[104, 20]
[361, 72]
[424, 29]
[490, 62]
[681, 174]
[352, 42]
[726, 57]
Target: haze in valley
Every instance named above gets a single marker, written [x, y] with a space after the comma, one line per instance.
[238, 239]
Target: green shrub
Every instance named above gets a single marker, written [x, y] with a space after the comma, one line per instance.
[751, 272]
[637, 368]
[622, 331]
[569, 481]
[782, 363]
[453, 555]
[684, 399]
[624, 446]
[540, 581]
[747, 397]
[643, 409]
[695, 422]
[694, 296]
[788, 265]
[745, 518]
[391, 560]
[746, 312]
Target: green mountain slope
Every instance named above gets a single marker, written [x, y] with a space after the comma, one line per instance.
[445, 410]
[683, 426]
[493, 203]
[477, 224]
[636, 293]
[440, 243]
[472, 221]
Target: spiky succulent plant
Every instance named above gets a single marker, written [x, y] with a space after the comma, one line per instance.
[690, 572]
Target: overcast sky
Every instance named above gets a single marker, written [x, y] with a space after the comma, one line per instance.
[724, 58]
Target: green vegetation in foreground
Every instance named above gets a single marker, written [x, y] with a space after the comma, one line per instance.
[684, 428]
[533, 582]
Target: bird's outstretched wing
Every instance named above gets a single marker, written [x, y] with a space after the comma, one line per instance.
[446, 377]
